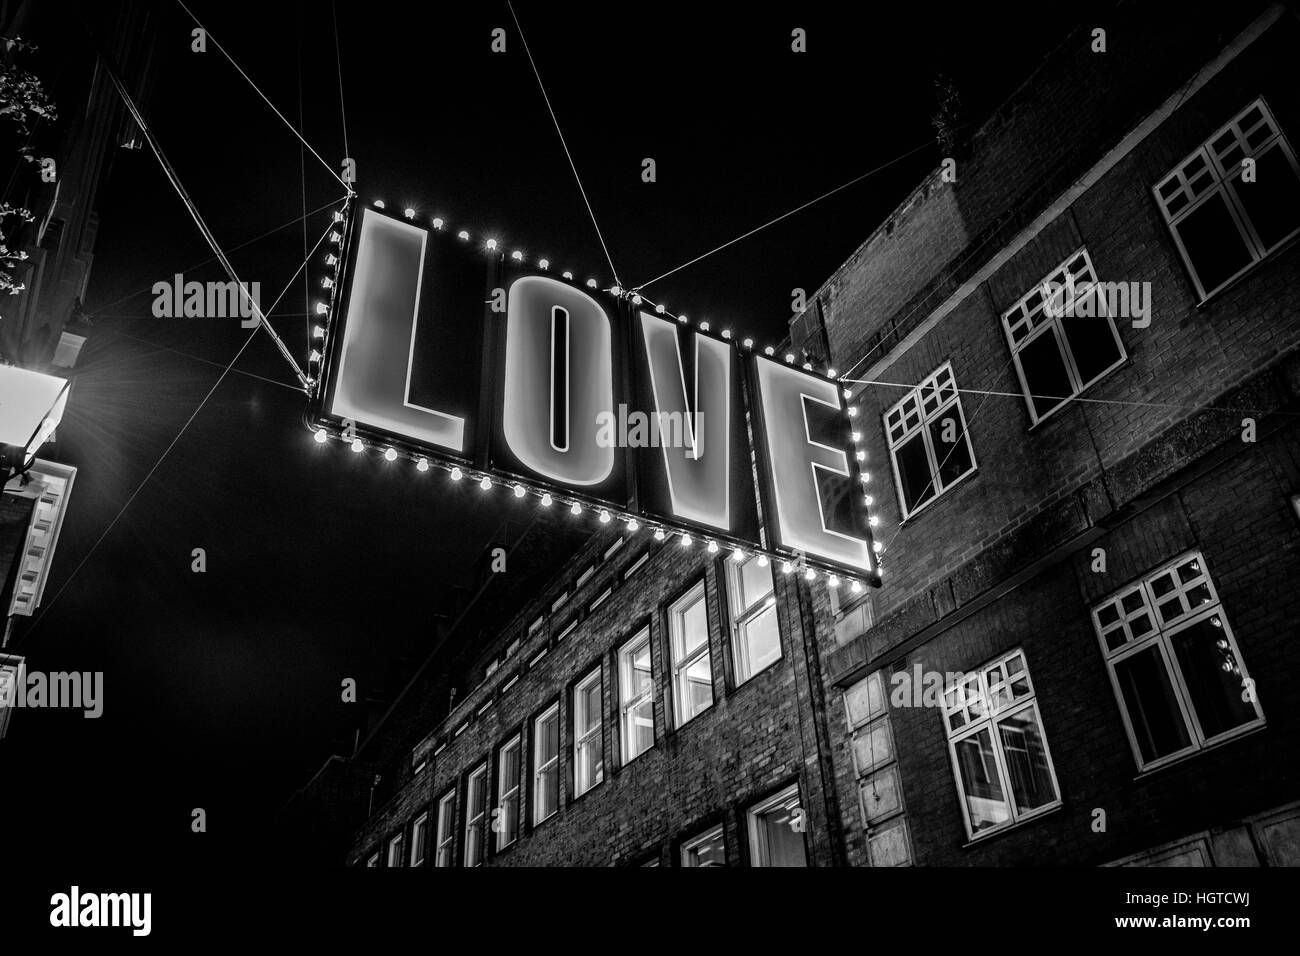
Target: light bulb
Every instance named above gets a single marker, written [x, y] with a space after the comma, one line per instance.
[408, 212]
[633, 524]
[856, 587]
[604, 517]
[809, 574]
[390, 454]
[485, 483]
[546, 499]
[519, 491]
[379, 204]
[544, 264]
[713, 547]
[833, 581]
[786, 567]
[455, 474]
[769, 351]
[575, 508]
[737, 554]
[748, 343]
[517, 256]
[762, 560]
[422, 465]
[462, 234]
[659, 534]
[686, 540]
[491, 243]
[437, 223]
[356, 445]
[321, 436]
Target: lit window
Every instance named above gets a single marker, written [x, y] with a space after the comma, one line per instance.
[928, 441]
[568, 629]
[1062, 336]
[588, 745]
[707, 849]
[599, 599]
[559, 601]
[476, 796]
[505, 817]
[546, 764]
[755, 637]
[636, 696]
[776, 829]
[444, 853]
[1174, 664]
[1223, 219]
[396, 846]
[584, 577]
[612, 548]
[995, 738]
[419, 836]
[692, 664]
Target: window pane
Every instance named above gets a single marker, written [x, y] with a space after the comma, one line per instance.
[1092, 344]
[1026, 759]
[1045, 373]
[979, 775]
[1214, 244]
[693, 626]
[954, 456]
[761, 641]
[755, 583]
[784, 846]
[1273, 201]
[698, 688]
[641, 734]
[638, 677]
[589, 768]
[914, 472]
[1148, 697]
[711, 852]
[1212, 674]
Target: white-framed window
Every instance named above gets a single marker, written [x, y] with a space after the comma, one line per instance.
[600, 599]
[568, 629]
[559, 602]
[707, 849]
[505, 817]
[692, 665]
[588, 742]
[609, 552]
[1062, 336]
[419, 838]
[776, 830]
[999, 753]
[584, 577]
[546, 764]
[928, 443]
[755, 635]
[1174, 664]
[476, 799]
[635, 566]
[494, 665]
[1226, 214]
[512, 649]
[372, 861]
[636, 704]
[396, 850]
[444, 853]
[536, 624]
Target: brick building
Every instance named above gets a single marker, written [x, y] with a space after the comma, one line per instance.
[1083, 648]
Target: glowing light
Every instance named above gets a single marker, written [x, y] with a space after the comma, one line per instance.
[848, 393]
[659, 534]
[769, 351]
[807, 366]
[856, 587]
[322, 308]
[861, 456]
[318, 332]
[809, 574]
[321, 436]
[633, 524]
[336, 238]
[546, 499]
[591, 283]
[873, 521]
[789, 358]
[833, 581]
[408, 212]
[327, 283]
[830, 373]
[685, 540]
[617, 289]
[390, 454]
[338, 216]
[748, 343]
[868, 500]
[853, 411]
[877, 547]
[762, 560]
[636, 299]
[726, 333]
[517, 256]
[604, 517]
[544, 264]
[462, 234]
[485, 483]
[713, 547]
[519, 491]
[314, 357]
[737, 554]
[567, 275]
[704, 326]
[575, 508]
[865, 477]
[437, 222]
[455, 474]
[857, 436]
[331, 259]
[422, 465]
[787, 567]
[491, 243]
[379, 204]
[356, 445]
[659, 309]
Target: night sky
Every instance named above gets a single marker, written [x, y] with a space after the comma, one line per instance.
[222, 688]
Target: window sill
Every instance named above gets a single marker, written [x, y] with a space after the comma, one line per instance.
[631, 761]
[1246, 273]
[1249, 730]
[914, 515]
[1023, 822]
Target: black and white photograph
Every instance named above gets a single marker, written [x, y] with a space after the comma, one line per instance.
[508, 435]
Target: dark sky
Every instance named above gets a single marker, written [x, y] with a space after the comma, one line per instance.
[222, 689]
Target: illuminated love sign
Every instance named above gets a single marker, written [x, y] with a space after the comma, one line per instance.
[442, 351]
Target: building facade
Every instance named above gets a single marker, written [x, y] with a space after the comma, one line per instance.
[1073, 355]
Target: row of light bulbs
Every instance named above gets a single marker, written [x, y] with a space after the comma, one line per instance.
[632, 523]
